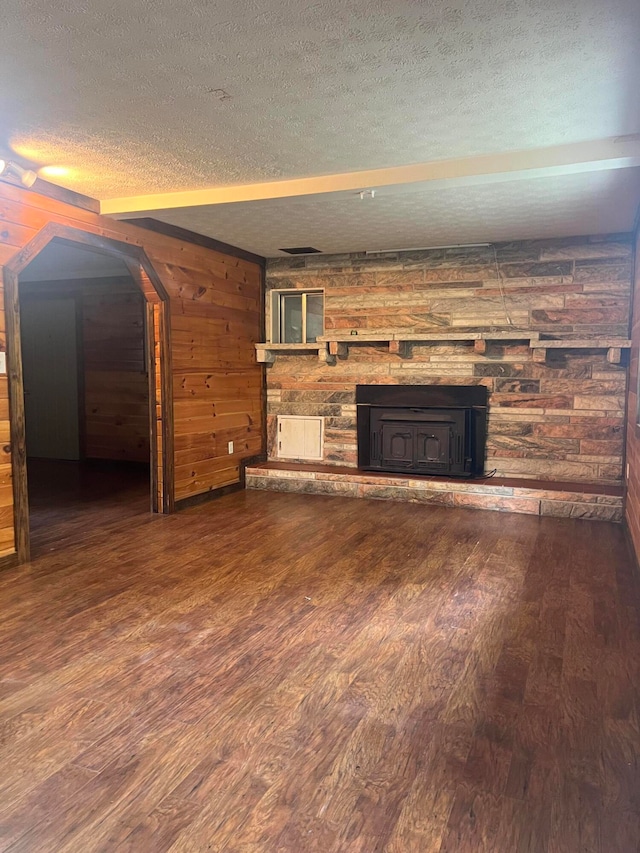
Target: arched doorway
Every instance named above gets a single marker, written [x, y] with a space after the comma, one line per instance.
[158, 366]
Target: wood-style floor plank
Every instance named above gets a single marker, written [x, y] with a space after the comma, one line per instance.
[308, 674]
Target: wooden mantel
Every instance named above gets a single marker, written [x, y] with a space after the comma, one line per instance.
[329, 347]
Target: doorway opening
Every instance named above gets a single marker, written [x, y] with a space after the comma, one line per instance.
[86, 384]
[89, 379]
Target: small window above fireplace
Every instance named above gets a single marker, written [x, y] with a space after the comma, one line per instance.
[297, 316]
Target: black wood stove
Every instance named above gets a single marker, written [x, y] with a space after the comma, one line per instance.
[422, 429]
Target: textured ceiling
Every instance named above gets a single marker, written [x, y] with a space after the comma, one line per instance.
[415, 215]
[57, 262]
[124, 93]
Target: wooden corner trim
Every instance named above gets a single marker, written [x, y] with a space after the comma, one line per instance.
[17, 417]
[187, 236]
[46, 188]
[205, 497]
[168, 432]
[212, 494]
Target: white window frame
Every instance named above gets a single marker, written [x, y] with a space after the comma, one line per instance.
[276, 311]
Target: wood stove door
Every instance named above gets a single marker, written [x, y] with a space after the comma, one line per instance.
[433, 447]
[398, 441]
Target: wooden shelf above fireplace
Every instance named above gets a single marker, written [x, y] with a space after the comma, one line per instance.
[614, 346]
[329, 347]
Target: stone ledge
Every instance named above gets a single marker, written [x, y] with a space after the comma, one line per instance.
[591, 503]
[328, 347]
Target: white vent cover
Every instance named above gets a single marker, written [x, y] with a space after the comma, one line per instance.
[300, 437]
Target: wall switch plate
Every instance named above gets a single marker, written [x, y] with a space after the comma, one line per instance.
[230, 447]
[627, 471]
[3, 362]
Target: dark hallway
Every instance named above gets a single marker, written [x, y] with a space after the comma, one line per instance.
[66, 498]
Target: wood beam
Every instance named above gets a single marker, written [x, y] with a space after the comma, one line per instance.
[611, 153]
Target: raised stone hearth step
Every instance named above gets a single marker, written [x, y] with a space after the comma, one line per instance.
[563, 500]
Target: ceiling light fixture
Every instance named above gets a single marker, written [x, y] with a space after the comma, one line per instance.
[54, 171]
[9, 169]
[367, 194]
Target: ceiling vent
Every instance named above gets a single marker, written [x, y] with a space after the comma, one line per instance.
[302, 250]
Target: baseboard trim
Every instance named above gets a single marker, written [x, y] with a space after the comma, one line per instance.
[9, 561]
[212, 494]
[205, 497]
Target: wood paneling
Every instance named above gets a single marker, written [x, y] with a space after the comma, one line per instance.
[632, 510]
[219, 293]
[198, 239]
[115, 376]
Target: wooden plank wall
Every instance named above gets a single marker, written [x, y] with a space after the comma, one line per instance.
[215, 304]
[217, 386]
[632, 508]
[116, 386]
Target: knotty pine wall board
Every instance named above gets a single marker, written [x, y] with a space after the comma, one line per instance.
[116, 389]
[201, 283]
[632, 507]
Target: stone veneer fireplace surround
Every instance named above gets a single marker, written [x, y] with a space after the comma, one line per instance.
[555, 416]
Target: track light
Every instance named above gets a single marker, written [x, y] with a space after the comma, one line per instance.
[9, 169]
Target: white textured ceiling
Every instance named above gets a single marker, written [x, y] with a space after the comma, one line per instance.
[135, 98]
[124, 93]
[418, 215]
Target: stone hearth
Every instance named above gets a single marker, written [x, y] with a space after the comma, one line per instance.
[566, 500]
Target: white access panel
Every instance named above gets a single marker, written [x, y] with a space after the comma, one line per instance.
[300, 437]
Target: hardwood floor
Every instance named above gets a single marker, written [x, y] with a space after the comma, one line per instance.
[287, 673]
